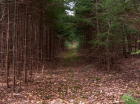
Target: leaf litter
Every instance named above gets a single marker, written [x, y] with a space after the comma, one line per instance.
[84, 84]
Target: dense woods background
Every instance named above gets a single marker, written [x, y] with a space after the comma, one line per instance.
[28, 36]
[34, 32]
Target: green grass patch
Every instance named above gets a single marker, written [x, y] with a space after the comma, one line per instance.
[128, 99]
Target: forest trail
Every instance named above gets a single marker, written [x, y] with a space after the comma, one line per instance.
[78, 84]
[69, 51]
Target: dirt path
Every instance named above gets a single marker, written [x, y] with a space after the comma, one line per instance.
[78, 84]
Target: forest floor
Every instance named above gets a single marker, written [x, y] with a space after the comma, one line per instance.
[75, 82]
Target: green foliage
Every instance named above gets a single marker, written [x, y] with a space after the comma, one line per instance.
[112, 25]
[56, 17]
[83, 7]
[136, 52]
[129, 99]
